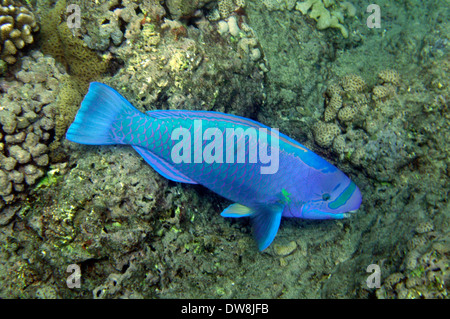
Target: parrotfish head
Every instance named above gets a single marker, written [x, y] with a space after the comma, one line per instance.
[332, 195]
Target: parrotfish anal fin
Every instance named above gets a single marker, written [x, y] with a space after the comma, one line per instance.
[236, 211]
[265, 221]
[162, 167]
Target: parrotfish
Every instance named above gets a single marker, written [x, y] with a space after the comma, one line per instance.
[264, 172]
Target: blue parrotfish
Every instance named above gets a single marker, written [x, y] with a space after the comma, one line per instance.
[264, 173]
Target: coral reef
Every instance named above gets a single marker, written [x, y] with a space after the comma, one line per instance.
[17, 25]
[389, 82]
[113, 22]
[58, 41]
[135, 234]
[327, 14]
[426, 269]
[356, 128]
[226, 7]
[27, 117]
[234, 28]
[280, 5]
[82, 64]
[68, 101]
[325, 133]
[184, 65]
[185, 8]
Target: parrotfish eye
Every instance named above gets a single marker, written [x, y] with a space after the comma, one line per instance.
[326, 197]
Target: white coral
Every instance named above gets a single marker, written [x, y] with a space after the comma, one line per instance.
[325, 14]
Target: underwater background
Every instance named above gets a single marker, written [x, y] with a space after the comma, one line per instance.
[364, 84]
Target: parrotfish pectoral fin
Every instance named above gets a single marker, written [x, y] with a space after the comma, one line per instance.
[237, 210]
[101, 106]
[265, 221]
[266, 224]
[162, 167]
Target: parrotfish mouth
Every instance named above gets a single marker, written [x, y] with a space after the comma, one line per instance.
[350, 213]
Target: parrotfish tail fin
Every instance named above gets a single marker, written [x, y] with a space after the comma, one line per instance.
[265, 221]
[101, 107]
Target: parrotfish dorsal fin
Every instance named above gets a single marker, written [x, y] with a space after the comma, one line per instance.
[162, 167]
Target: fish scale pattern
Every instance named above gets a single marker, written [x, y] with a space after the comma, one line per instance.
[228, 179]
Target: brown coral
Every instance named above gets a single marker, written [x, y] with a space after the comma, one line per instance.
[334, 103]
[226, 7]
[17, 25]
[383, 91]
[82, 63]
[389, 76]
[353, 83]
[27, 121]
[58, 41]
[324, 133]
[347, 113]
[334, 89]
[329, 114]
[424, 227]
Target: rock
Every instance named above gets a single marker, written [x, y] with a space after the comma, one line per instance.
[285, 250]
